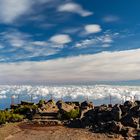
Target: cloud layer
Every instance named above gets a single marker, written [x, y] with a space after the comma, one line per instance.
[105, 66]
[98, 94]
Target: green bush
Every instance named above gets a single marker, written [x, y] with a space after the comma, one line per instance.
[41, 102]
[73, 114]
[7, 116]
[16, 118]
[2, 118]
[23, 109]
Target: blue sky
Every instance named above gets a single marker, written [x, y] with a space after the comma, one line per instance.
[69, 41]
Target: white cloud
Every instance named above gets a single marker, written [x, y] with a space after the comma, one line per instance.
[72, 30]
[86, 43]
[74, 8]
[1, 46]
[111, 18]
[14, 38]
[16, 41]
[105, 40]
[10, 10]
[39, 43]
[106, 45]
[96, 93]
[92, 28]
[60, 39]
[105, 66]
[44, 1]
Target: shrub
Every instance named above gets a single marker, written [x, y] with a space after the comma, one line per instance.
[23, 109]
[7, 116]
[41, 102]
[16, 118]
[73, 114]
[2, 118]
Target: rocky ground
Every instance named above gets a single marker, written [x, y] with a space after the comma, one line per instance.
[75, 121]
[22, 131]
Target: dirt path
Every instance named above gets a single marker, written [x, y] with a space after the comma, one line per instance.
[29, 132]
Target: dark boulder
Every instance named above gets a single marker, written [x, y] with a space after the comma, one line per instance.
[128, 133]
[135, 111]
[62, 106]
[115, 127]
[26, 103]
[116, 113]
[77, 123]
[86, 105]
[111, 126]
[129, 104]
[137, 102]
[87, 122]
[129, 120]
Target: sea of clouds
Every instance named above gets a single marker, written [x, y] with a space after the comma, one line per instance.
[98, 94]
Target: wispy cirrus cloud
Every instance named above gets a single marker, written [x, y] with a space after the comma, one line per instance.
[111, 18]
[22, 46]
[74, 8]
[40, 43]
[106, 45]
[16, 45]
[1, 46]
[14, 38]
[105, 40]
[10, 10]
[72, 30]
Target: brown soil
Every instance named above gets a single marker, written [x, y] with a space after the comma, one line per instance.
[23, 131]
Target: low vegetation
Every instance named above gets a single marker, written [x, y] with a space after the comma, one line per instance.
[24, 109]
[73, 114]
[41, 102]
[7, 116]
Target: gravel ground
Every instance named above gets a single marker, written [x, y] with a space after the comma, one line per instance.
[23, 131]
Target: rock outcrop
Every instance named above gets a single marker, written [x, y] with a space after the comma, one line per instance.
[120, 119]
